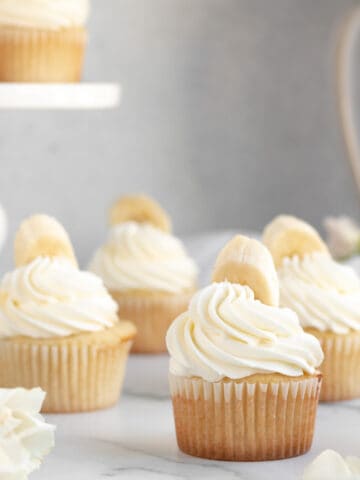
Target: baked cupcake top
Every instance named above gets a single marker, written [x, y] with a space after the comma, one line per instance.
[25, 437]
[140, 253]
[47, 295]
[324, 293]
[235, 329]
[48, 14]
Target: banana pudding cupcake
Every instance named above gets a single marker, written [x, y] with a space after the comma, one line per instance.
[146, 270]
[243, 373]
[326, 297]
[59, 328]
[42, 40]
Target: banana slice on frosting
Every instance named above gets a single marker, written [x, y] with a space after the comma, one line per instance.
[41, 235]
[141, 209]
[248, 262]
[287, 236]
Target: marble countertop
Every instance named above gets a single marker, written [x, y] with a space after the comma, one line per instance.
[136, 439]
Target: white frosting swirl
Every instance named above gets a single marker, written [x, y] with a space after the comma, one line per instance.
[324, 293]
[50, 297]
[53, 14]
[25, 438]
[226, 333]
[142, 257]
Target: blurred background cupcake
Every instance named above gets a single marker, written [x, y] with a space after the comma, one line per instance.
[146, 269]
[42, 40]
[326, 296]
[59, 327]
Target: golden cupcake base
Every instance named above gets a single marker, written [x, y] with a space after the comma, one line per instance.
[39, 55]
[341, 366]
[262, 417]
[152, 313]
[79, 373]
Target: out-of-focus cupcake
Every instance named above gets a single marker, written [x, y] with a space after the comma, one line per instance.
[146, 270]
[326, 297]
[59, 328]
[42, 40]
[243, 373]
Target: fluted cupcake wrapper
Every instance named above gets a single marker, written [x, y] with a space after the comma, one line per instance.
[77, 374]
[241, 421]
[38, 55]
[341, 366]
[152, 314]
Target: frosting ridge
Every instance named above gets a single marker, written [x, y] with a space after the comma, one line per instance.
[50, 297]
[324, 293]
[226, 333]
[51, 14]
[141, 257]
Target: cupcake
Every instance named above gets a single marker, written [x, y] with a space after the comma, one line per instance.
[42, 40]
[326, 297]
[146, 270]
[243, 373]
[59, 328]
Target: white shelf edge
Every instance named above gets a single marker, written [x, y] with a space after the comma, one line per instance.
[59, 96]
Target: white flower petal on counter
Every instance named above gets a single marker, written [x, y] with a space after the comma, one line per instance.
[227, 333]
[25, 438]
[324, 293]
[343, 236]
[51, 297]
[330, 465]
[141, 257]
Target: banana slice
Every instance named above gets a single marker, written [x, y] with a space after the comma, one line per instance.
[287, 236]
[41, 235]
[142, 209]
[246, 261]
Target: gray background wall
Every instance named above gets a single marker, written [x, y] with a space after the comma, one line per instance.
[228, 117]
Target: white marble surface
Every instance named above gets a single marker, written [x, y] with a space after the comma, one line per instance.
[136, 439]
